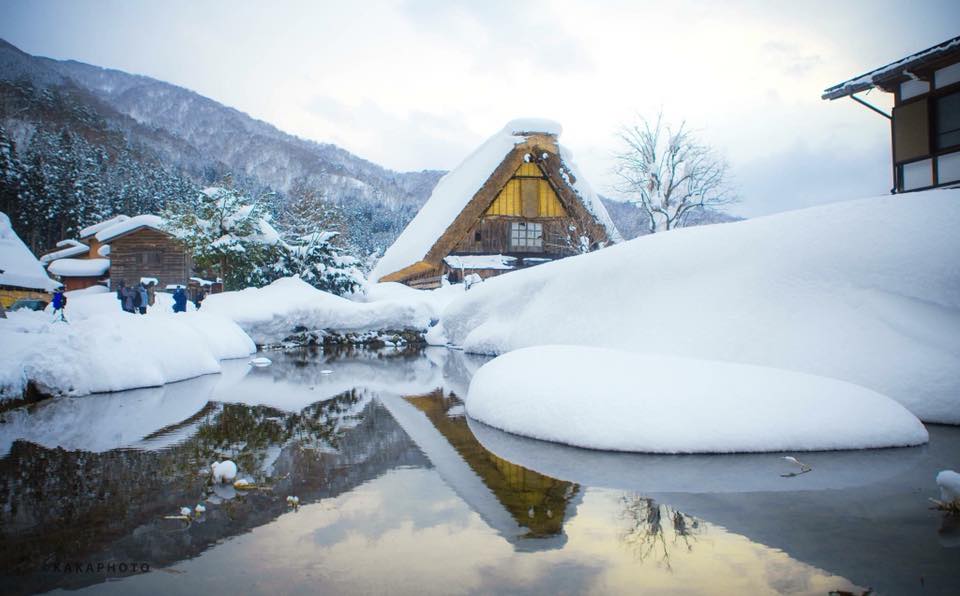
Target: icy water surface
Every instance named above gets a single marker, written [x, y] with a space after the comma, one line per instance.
[401, 493]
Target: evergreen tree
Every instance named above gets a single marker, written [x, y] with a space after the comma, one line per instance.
[311, 227]
[229, 236]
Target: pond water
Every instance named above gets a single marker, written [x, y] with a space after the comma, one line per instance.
[401, 493]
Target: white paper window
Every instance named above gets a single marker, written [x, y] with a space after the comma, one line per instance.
[947, 76]
[912, 88]
[948, 168]
[918, 174]
[526, 236]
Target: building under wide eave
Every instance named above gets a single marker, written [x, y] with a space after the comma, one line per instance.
[925, 123]
[517, 201]
[21, 274]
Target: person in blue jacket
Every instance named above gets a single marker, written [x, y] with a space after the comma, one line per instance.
[59, 303]
[179, 300]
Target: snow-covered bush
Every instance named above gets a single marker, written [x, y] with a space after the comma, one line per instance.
[229, 236]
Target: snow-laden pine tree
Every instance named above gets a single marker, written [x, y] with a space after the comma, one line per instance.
[311, 228]
[668, 174]
[229, 236]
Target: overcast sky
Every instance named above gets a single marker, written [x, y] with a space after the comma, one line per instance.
[415, 85]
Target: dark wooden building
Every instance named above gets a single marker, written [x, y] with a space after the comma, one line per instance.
[140, 248]
[517, 201]
[925, 122]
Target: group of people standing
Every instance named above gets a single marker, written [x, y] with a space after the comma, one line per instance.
[134, 299]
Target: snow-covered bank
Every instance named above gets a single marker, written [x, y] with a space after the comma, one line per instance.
[111, 351]
[288, 305]
[865, 291]
[620, 401]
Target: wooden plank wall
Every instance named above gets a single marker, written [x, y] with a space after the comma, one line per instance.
[494, 236]
[127, 262]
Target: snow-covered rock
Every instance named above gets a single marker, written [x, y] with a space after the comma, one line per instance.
[949, 483]
[274, 312]
[865, 291]
[223, 471]
[609, 399]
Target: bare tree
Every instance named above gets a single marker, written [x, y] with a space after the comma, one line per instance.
[667, 173]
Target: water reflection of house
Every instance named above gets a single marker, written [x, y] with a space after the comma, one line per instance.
[525, 507]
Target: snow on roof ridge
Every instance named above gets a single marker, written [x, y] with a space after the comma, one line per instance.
[93, 229]
[79, 267]
[68, 248]
[130, 224]
[520, 126]
[20, 267]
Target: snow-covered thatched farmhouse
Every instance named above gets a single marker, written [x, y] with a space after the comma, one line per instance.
[517, 201]
[21, 274]
[121, 249]
[925, 123]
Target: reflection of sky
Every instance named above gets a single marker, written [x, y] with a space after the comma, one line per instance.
[406, 532]
[414, 85]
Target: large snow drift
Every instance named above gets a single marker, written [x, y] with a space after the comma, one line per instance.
[112, 351]
[621, 401]
[865, 291]
[274, 312]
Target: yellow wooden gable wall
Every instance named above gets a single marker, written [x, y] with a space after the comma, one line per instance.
[508, 201]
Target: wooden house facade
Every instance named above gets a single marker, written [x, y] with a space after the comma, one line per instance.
[148, 252]
[925, 120]
[516, 202]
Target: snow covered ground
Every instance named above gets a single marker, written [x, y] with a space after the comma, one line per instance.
[274, 312]
[104, 349]
[864, 291]
[621, 401]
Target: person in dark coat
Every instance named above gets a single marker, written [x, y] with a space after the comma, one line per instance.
[142, 298]
[179, 300]
[198, 298]
[127, 297]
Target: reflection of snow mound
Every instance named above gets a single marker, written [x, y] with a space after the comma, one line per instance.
[107, 420]
[647, 473]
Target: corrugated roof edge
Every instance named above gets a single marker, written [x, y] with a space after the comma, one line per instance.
[869, 79]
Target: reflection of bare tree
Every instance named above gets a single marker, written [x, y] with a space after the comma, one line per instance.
[646, 534]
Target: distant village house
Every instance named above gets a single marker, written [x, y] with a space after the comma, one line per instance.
[21, 274]
[925, 123]
[123, 248]
[517, 201]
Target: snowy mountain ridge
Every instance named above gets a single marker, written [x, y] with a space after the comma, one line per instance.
[203, 140]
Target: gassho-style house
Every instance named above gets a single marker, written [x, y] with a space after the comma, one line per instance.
[515, 202]
[925, 123]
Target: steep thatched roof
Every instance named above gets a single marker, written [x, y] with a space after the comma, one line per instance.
[462, 196]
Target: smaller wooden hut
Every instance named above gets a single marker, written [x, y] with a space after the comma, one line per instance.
[141, 248]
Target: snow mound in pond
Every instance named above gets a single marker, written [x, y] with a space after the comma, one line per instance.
[274, 312]
[112, 351]
[621, 401]
[865, 291]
